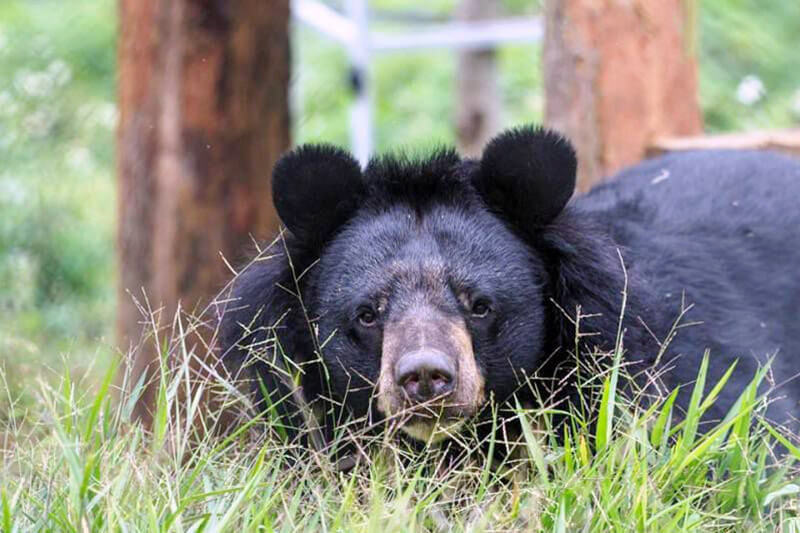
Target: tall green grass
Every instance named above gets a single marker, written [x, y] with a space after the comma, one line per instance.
[77, 462]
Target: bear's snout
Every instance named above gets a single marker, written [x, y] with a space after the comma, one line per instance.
[425, 374]
[428, 375]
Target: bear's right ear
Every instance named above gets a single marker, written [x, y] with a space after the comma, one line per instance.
[528, 175]
[316, 189]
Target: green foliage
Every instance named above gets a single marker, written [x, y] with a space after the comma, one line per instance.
[56, 186]
[57, 119]
[741, 38]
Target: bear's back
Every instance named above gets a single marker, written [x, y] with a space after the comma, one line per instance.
[680, 190]
[718, 230]
[738, 205]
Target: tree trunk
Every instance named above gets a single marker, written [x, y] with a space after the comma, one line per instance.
[203, 116]
[478, 98]
[618, 75]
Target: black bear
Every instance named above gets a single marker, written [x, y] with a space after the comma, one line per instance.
[455, 282]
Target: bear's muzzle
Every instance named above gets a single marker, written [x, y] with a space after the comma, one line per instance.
[429, 380]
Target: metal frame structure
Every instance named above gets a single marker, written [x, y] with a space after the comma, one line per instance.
[351, 29]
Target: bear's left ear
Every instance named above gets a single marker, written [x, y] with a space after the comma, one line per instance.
[316, 189]
[528, 175]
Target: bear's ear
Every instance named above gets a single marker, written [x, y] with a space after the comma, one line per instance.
[315, 189]
[528, 175]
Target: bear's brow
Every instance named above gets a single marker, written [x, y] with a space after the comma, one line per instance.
[392, 249]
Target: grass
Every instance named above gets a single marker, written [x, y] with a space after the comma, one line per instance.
[77, 462]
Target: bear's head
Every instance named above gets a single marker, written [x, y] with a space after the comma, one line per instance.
[419, 279]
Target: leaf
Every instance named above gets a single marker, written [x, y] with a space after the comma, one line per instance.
[786, 490]
[605, 418]
[693, 413]
[661, 428]
[534, 449]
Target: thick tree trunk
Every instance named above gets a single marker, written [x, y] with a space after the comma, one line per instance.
[618, 75]
[478, 97]
[203, 116]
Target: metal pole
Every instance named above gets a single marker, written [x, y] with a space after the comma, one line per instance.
[360, 52]
[352, 30]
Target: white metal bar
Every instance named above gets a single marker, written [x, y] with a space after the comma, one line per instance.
[361, 121]
[478, 34]
[352, 30]
[461, 35]
[325, 20]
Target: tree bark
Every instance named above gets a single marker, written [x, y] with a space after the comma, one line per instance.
[478, 97]
[203, 116]
[618, 75]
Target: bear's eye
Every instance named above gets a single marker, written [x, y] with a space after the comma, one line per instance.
[480, 308]
[367, 317]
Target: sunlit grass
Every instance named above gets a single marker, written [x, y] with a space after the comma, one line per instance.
[74, 461]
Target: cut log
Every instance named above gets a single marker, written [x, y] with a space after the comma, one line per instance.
[785, 141]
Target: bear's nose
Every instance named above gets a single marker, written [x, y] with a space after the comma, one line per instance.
[425, 374]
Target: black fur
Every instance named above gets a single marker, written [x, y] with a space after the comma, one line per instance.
[316, 188]
[716, 229]
[528, 175]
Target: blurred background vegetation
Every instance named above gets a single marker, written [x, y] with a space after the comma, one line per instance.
[58, 116]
